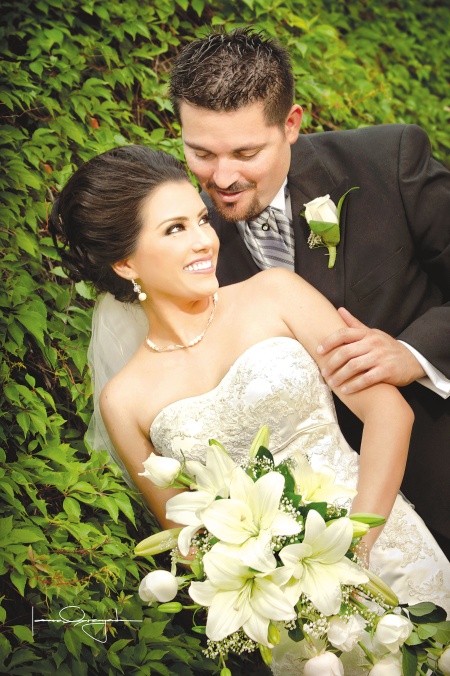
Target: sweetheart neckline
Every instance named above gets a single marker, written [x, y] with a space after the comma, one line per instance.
[230, 370]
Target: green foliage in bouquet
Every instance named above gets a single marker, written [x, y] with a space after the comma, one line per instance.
[76, 79]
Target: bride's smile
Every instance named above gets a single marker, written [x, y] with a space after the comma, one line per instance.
[200, 266]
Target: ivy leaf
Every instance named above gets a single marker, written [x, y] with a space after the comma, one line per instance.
[72, 640]
[19, 581]
[33, 322]
[72, 509]
[23, 633]
[124, 504]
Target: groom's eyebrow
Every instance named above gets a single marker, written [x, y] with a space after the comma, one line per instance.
[195, 146]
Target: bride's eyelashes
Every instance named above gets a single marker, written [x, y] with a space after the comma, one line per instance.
[174, 228]
[178, 227]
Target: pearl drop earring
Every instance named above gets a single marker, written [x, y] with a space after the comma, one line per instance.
[137, 289]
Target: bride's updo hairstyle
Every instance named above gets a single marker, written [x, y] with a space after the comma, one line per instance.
[97, 218]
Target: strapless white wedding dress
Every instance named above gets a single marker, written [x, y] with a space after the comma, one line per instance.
[277, 383]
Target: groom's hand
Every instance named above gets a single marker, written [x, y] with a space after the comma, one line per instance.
[362, 357]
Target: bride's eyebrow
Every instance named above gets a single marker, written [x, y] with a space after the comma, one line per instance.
[182, 219]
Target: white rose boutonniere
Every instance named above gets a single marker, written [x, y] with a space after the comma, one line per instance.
[322, 216]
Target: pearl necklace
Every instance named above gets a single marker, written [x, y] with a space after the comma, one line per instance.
[194, 341]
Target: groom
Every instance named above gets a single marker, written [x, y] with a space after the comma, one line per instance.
[233, 95]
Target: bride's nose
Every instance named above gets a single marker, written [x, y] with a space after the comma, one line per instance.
[202, 240]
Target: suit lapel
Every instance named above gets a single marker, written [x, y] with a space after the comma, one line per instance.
[309, 178]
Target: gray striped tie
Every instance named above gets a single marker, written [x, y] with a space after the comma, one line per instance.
[270, 240]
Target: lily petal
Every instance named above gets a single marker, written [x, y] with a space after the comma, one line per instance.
[283, 524]
[202, 593]
[314, 526]
[185, 537]
[241, 485]
[224, 570]
[257, 628]
[185, 507]
[265, 497]
[269, 601]
[230, 521]
[227, 613]
[257, 553]
[214, 476]
[334, 542]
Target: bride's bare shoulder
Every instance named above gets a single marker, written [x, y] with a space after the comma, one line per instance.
[119, 393]
[269, 283]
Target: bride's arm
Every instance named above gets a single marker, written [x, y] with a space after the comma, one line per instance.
[133, 448]
[386, 416]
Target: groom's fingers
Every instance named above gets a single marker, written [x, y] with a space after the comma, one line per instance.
[363, 357]
[350, 320]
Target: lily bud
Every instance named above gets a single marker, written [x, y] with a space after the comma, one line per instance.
[159, 542]
[173, 607]
[372, 520]
[266, 654]
[359, 529]
[377, 587]
[225, 672]
[261, 439]
[274, 635]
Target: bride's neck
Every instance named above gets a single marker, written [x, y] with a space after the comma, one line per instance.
[177, 322]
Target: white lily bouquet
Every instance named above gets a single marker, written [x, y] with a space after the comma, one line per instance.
[272, 559]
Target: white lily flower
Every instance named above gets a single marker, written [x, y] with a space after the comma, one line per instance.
[186, 509]
[237, 597]
[317, 486]
[251, 517]
[211, 480]
[215, 475]
[319, 565]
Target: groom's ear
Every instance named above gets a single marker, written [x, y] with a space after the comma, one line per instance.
[125, 268]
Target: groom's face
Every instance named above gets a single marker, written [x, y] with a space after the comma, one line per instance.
[239, 160]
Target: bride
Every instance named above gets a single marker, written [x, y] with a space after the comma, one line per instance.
[200, 362]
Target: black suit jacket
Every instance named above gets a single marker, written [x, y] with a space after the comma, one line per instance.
[392, 270]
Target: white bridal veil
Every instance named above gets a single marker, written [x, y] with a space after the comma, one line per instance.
[117, 331]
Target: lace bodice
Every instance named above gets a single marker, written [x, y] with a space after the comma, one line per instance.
[274, 383]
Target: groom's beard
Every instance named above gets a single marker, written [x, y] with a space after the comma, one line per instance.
[233, 212]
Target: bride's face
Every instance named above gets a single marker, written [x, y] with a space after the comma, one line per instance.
[177, 248]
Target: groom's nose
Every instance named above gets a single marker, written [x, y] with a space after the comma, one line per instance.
[226, 172]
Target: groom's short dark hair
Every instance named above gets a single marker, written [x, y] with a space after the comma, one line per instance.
[226, 71]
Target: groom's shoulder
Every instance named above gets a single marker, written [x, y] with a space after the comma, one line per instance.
[377, 136]
[377, 144]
